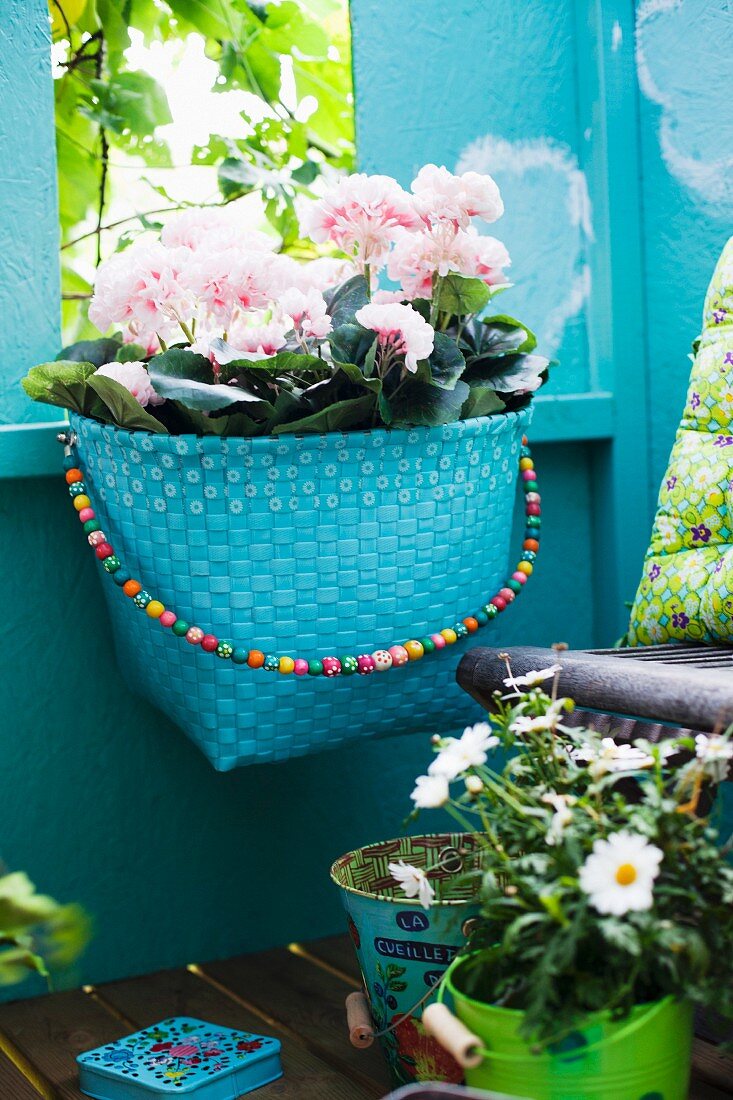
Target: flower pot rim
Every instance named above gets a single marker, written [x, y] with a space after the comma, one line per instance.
[586, 1021]
[402, 902]
[468, 427]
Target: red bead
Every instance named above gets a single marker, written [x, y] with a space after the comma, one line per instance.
[533, 510]
[498, 603]
[533, 498]
[104, 550]
[209, 643]
[507, 594]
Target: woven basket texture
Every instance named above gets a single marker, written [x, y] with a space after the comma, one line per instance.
[307, 546]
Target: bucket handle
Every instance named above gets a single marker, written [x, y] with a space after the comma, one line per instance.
[330, 667]
[469, 1051]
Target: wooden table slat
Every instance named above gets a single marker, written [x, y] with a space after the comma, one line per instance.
[14, 1084]
[337, 952]
[711, 1066]
[308, 999]
[51, 1031]
[181, 993]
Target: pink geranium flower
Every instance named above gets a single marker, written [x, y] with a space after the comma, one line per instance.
[401, 331]
[439, 196]
[135, 378]
[258, 340]
[361, 215]
[307, 310]
[418, 257]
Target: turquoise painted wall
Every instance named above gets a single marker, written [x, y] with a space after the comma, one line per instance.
[102, 799]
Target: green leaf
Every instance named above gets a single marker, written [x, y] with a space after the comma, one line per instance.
[130, 101]
[355, 412]
[356, 375]
[126, 410]
[481, 401]
[458, 295]
[446, 363]
[502, 334]
[509, 373]
[234, 424]
[285, 362]
[180, 363]
[351, 344]
[43, 381]
[237, 177]
[97, 352]
[131, 353]
[346, 299]
[417, 403]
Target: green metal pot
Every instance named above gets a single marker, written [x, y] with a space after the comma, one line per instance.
[643, 1057]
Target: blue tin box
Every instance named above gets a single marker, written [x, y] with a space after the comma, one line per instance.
[180, 1057]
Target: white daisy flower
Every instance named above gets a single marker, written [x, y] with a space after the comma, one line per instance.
[611, 757]
[468, 751]
[561, 818]
[547, 721]
[619, 875]
[532, 679]
[430, 792]
[715, 752]
[414, 882]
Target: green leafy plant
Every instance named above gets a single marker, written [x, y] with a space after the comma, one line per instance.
[37, 934]
[603, 882]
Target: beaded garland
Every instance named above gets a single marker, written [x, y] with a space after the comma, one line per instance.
[380, 660]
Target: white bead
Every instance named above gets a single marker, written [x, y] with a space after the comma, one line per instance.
[382, 660]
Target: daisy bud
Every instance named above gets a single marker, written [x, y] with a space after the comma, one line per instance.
[474, 785]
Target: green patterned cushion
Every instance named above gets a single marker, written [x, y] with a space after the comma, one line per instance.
[686, 591]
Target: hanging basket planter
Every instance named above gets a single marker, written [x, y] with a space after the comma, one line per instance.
[296, 561]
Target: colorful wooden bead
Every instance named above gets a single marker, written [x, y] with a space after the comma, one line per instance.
[529, 556]
[287, 665]
[449, 635]
[481, 618]
[526, 464]
[131, 588]
[460, 630]
[498, 603]
[315, 668]
[224, 650]
[365, 664]
[438, 640]
[399, 655]
[167, 618]
[533, 510]
[331, 666]
[530, 485]
[506, 594]
[240, 655]
[471, 624]
[349, 665]
[122, 576]
[81, 502]
[155, 609]
[209, 643]
[103, 550]
[515, 585]
[73, 475]
[414, 649]
[180, 628]
[112, 563]
[532, 498]
[92, 525]
[300, 666]
[528, 475]
[428, 645]
[491, 610]
[271, 663]
[142, 599]
[520, 577]
[255, 658]
[531, 544]
[194, 635]
[382, 660]
[86, 514]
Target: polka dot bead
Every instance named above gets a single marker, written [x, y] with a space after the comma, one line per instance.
[382, 660]
[364, 664]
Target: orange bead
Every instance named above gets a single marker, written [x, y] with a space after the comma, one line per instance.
[525, 567]
[531, 544]
[526, 464]
[81, 502]
[470, 624]
[524, 441]
[256, 658]
[73, 476]
[131, 588]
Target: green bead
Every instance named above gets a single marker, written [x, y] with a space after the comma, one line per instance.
[461, 629]
[530, 486]
[428, 644]
[92, 525]
[77, 489]
[112, 563]
[315, 668]
[481, 618]
[142, 599]
[514, 585]
[224, 650]
[180, 628]
[491, 610]
[272, 664]
[239, 654]
[530, 556]
[534, 521]
[348, 665]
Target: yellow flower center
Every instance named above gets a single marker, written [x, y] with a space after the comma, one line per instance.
[625, 874]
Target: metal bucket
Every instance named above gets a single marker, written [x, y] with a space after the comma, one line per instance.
[403, 950]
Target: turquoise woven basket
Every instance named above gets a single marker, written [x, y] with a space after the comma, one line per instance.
[307, 546]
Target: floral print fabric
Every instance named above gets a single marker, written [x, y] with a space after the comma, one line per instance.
[686, 591]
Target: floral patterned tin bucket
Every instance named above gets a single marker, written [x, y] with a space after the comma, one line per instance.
[403, 949]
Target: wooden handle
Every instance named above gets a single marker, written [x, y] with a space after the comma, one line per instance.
[359, 1021]
[453, 1036]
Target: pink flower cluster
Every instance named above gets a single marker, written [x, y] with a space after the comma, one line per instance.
[417, 236]
[400, 330]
